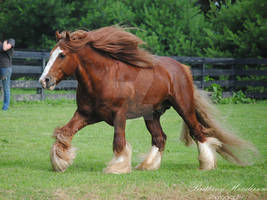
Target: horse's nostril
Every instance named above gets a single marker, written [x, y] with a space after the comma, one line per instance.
[47, 79]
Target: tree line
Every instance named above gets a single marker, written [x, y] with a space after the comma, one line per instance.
[222, 28]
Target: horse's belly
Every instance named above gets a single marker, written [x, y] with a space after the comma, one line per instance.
[139, 111]
[147, 110]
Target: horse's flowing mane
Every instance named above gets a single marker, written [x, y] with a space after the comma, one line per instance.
[112, 40]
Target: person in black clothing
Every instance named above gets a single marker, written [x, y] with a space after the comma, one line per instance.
[6, 53]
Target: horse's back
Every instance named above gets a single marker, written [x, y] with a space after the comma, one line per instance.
[173, 66]
[179, 74]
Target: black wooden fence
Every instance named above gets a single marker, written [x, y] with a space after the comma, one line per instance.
[249, 75]
[232, 74]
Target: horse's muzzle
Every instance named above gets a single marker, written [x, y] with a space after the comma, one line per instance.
[48, 83]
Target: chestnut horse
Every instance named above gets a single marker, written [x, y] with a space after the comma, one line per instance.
[117, 80]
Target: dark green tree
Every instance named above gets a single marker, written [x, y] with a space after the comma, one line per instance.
[238, 30]
[102, 13]
[33, 22]
[170, 27]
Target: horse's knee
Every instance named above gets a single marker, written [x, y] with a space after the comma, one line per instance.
[159, 141]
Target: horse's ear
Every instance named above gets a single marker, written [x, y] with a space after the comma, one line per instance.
[67, 36]
[58, 36]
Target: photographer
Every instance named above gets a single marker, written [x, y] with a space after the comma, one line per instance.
[6, 53]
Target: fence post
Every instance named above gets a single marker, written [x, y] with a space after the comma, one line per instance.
[233, 78]
[42, 90]
[203, 76]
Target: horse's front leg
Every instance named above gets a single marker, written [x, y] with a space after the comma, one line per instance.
[152, 160]
[121, 162]
[62, 154]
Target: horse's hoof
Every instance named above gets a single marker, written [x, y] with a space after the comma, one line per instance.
[152, 161]
[206, 167]
[121, 168]
[61, 158]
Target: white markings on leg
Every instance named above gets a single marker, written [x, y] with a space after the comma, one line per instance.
[152, 160]
[61, 158]
[207, 153]
[120, 163]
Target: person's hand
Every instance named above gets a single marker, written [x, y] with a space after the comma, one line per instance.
[6, 46]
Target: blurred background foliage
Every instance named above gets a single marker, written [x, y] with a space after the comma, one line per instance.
[222, 28]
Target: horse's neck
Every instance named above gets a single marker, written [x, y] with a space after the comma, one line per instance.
[93, 67]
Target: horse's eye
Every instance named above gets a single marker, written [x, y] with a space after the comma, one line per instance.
[61, 55]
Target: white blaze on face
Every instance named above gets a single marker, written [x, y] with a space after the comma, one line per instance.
[51, 61]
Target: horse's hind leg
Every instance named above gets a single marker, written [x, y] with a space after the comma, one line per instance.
[153, 158]
[184, 105]
[62, 154]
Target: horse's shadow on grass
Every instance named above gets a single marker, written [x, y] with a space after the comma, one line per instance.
[45, 165]
[190, 167]
[86, 166]
[98, 166]
[177, 167]
[90, 166]
[93, 164]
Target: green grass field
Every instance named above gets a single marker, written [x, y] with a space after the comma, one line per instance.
[25, 171]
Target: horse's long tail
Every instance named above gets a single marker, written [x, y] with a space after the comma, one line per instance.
[230, 147]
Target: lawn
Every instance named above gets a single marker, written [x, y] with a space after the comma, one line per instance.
[25, 171]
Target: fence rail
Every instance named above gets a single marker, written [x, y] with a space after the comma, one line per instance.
[221, 61]
[31, 64]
